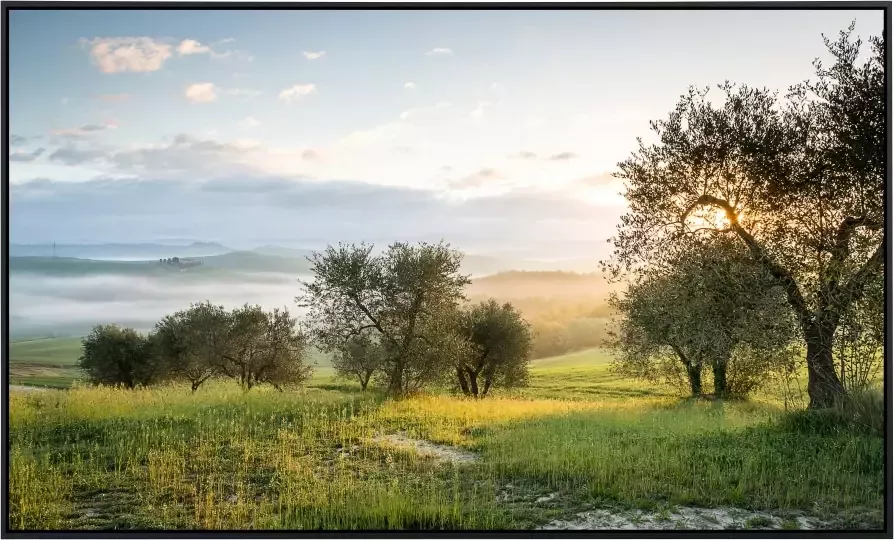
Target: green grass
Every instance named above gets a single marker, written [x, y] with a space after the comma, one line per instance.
[224, 459]
[50, 351]
[52, 363]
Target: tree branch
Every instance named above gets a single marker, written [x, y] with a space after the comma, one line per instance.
[853, 290]
[840, 250]
[781, 274]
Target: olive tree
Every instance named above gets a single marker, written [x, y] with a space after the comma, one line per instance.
[359, 357]
[798, 181]
[112, 355]
[264, 347]
[500, 343]
[712, 307]
[400, 296]
[191, 342]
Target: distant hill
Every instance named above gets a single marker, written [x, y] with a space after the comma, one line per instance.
[72, 267]
[252, 261]
[234, 261]
[118, 252]
[548, 284]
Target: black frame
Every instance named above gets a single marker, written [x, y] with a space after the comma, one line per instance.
[885, 6]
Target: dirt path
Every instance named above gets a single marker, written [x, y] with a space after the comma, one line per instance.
[23, 388]
[682, 517]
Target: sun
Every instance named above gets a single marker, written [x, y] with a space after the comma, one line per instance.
[709, 217]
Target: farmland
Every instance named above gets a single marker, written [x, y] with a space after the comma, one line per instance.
[578, 448]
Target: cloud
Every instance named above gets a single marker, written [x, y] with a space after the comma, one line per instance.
[191, 46]
[186, 154]
[15, 140]
[439, 51]
[525, 154]
[477, 179]
[314, 55]
[201, 93]
[296, 92]
[310, 155]
[249, 122]
[563, 156]
[236, 208]
[410, 86]
[83, 131]
[24, 157]
[72, 155]
[127, 54]
[113, 98]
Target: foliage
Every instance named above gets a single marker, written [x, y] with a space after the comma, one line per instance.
[403, 295]
[712, 307]
[860, 339]
[360, 357]
[799, 182]
[112, 355]
[500, 348]
[263, 347]
[190, 342]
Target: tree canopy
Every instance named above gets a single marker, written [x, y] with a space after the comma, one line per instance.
[499, 348]
[797, 180]
[402, 296]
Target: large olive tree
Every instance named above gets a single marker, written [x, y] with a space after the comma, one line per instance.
[799, 181]
[402, 296]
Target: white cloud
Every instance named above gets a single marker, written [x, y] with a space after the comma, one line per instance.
[123, 54]
[201, 93]
[249, 122]
[314, 55]
[297, 92]
[191, 46]
[83, 131]
[410, 86]
[439, 51]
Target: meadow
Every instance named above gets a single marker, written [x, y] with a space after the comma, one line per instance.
[578, 448]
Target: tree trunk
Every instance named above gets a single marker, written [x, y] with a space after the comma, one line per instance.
[823, 385]
[363, 382]
[487, 383]
[473, 384]
[396, 385]
[463, 384]
[694, 372]
[719, 368]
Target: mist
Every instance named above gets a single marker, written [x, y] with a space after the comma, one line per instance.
[41, 305]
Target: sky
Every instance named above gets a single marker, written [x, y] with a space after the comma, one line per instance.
[498, 131]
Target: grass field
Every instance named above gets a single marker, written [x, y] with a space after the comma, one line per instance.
[52, 363]
[578, 439]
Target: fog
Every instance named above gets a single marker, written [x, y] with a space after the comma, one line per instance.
[41, 305]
